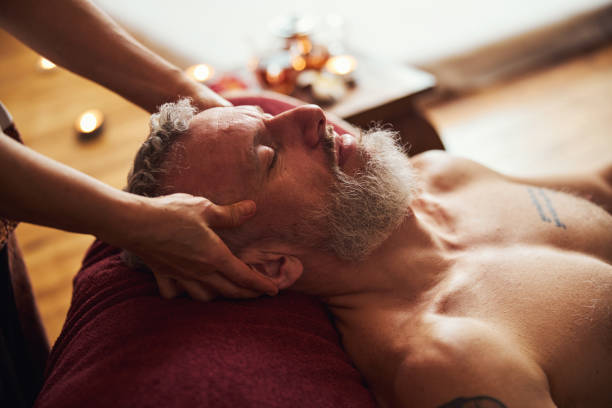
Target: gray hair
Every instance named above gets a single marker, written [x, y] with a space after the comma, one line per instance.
[150, 164]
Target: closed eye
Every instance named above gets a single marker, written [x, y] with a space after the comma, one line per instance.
[273, 162]
[268, 155]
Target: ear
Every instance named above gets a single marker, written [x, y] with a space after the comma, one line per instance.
[283, 269]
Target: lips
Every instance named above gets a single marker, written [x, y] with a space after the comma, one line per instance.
[345, 145]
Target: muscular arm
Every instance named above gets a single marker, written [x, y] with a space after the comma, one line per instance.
[84, 40]
[466, 363]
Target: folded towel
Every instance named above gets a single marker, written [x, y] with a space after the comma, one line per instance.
[123, 345]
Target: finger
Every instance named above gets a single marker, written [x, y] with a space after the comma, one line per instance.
[167, 286]
[229, 289]
[239, 273]
[227, 216]
[197, 291]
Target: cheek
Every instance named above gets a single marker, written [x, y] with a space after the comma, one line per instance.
[312, 167]
[301, 184]
[297, 190]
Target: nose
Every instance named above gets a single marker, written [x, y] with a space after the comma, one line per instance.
[309, 120]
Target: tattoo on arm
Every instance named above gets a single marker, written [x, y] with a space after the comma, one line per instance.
[547, 206]
[481, 401]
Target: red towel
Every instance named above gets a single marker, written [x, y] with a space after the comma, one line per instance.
[123, 345]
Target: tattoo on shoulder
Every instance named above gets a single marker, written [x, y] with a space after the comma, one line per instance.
[545, 207]
[481, 401]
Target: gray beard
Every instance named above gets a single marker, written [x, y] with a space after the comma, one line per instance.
[364, 209]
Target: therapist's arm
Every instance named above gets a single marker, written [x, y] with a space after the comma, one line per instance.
[171, 234]
[80, 37]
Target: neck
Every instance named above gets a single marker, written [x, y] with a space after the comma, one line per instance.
[405, 266]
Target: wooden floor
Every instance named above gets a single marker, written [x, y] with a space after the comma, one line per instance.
[558, 119]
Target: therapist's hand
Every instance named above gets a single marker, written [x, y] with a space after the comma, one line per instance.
[173, 237]
[203, 97]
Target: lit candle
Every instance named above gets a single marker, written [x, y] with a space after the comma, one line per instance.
[298, 63]
[307, 78]
[273, 74]
[317, 57]
[328, 88]
[276, 73]
[341, 65]
[200, 72]
[303, 45]
[45, 65]
[89, 123]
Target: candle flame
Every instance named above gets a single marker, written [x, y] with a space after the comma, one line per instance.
[298, 63]
[89, 121]
[341, 64]
[45, 64]
[273, 73]
[304, 45]
[200, 72]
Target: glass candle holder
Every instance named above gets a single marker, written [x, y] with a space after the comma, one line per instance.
[276, 73]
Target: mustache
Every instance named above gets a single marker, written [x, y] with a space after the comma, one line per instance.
[328, 145]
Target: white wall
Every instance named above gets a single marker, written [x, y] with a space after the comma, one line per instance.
[219, 32]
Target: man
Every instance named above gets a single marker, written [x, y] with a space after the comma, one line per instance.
[451, 285]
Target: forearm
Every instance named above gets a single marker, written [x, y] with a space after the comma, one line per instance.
[39, 190]
[83, 39]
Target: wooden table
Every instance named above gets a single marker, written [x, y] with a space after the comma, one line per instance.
[384, 94]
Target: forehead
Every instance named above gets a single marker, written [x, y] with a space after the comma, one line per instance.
[216, 157]
[236, 122]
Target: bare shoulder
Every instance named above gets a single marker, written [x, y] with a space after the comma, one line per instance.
[443, 171]
[464, 362]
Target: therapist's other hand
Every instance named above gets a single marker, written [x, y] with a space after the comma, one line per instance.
[175, 240]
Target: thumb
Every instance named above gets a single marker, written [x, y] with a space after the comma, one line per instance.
[227, 216]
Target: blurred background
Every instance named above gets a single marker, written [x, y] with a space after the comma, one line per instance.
[521, 86]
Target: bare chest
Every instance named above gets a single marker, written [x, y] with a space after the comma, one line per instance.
[502, 214]
[556, 305]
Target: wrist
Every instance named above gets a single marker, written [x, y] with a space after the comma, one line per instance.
[126, 218]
